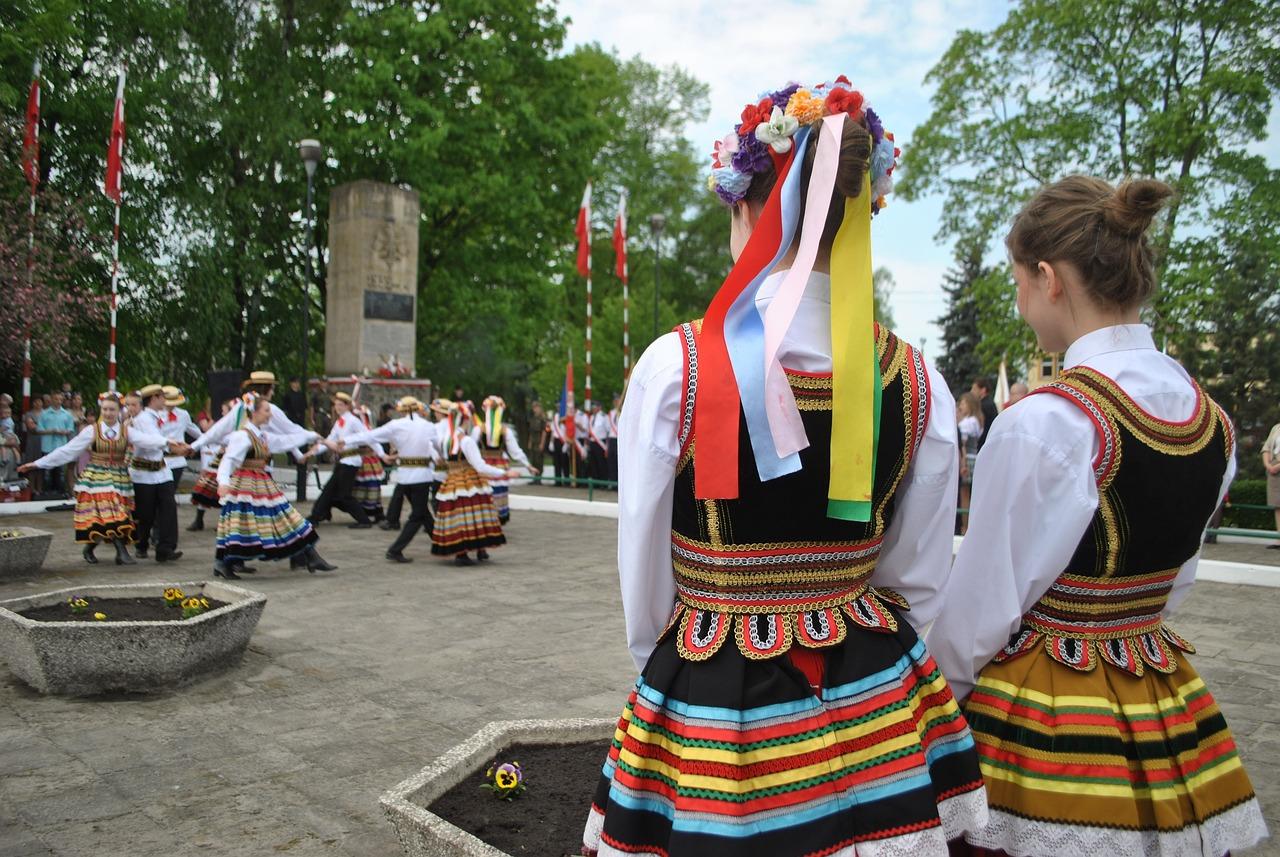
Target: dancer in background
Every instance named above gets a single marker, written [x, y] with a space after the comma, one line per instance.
[499, 445]
[337, 492]
[156, 504]
[416, 447]
[1096, 734]
[204, 494]
[177, 427]
[104, 491]
[367, 489]
[257, 521]
[466, 519]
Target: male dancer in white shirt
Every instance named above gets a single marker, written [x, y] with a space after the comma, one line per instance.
[153, 485]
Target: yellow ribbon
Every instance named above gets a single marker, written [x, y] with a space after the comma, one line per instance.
[855, 368]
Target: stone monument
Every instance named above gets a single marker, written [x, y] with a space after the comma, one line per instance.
[373, 279]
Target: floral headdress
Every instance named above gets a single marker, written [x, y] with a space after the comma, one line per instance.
[768, 129]
[244, 409]
[109, 396]
[739, 342]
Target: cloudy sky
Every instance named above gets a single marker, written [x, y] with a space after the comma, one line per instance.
[885, 48]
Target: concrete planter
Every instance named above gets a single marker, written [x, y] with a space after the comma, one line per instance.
[23, 555]
[423, 833]
[87, 658]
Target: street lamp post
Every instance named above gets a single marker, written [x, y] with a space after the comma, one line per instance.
[657, 223]
[311, 152]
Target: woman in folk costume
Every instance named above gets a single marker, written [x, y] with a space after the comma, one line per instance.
[499, 445]
[466, 519]
[798, 520]
[369, 478]
[257, 520]
[104, 491]
[204, 494]
[1091, 495]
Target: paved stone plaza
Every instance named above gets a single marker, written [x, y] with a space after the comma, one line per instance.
[356, 679]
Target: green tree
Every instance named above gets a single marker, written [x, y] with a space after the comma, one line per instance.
[961, 360]
[1174, 89]
[882, 285]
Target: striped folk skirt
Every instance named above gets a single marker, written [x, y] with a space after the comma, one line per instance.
[104, 504]
[740, 756]
[367, 490]
[465, 517]
[258, 522]
[205, 492]
[1105, 762]
[501, 486]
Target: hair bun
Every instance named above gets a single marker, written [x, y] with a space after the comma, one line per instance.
[1134, 204]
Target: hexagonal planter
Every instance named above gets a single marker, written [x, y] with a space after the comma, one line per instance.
[88, 658]
[422, 833]
[23, 555]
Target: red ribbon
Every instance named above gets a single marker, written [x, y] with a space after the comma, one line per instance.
[716, 403]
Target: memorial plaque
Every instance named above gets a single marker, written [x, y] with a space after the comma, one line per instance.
[371, 314]
[388, 306]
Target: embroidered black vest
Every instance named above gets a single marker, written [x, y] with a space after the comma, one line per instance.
[770, 567]
[1158, 483]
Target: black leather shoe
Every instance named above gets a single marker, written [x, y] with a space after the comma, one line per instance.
[168, 557]
[224, 571]
[315, 562]
[387, 525]
[360, 526]
[398, 557]
[482, 555]
[87, 553]
[123, 556]
[463, 559]
[141, 552]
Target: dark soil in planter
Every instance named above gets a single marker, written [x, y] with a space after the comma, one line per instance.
[548, 819]
[117, 610]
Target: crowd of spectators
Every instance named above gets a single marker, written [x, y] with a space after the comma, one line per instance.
[51, 419]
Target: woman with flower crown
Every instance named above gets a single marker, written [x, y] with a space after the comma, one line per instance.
[787, 483]
[499, 445]
[257, 521]
[466, 519]
[104, 491]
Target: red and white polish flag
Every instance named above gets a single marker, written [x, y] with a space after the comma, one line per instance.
[620, 239]
[111, 185]
[583, 231]
[31, 136]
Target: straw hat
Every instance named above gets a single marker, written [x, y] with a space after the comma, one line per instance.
[408, 405]
[150, 390]
[342, 397]
[267, 378]
[173, 396]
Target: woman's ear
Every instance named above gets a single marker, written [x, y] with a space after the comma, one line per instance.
[1049, 281]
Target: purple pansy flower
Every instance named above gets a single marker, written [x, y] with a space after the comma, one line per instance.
[752, 156]
[874, 126]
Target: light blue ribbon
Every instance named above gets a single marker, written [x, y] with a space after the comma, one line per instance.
[744, 334]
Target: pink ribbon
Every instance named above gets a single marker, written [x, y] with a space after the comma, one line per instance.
[780, 403]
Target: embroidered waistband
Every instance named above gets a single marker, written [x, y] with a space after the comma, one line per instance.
[778, 578]
[415, 462]
[254, 464]
[1083, 619]
[104, 460]
[144, 464]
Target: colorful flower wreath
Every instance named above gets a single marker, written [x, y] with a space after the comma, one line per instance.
[765, 134]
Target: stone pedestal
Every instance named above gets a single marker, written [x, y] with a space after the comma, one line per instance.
[373, 278]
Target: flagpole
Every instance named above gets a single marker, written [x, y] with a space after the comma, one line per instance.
[113, 190]
[620, 251]
[115, 279]
[586, 392]
[31, 242]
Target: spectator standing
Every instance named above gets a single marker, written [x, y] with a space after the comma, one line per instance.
[981, 388]
[56, 428]
[1271, 460]
[386, 414]
[535, 440]
[294, 403]
[969, 427]
[31, 428]
[1017, 392]
[10, 447]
